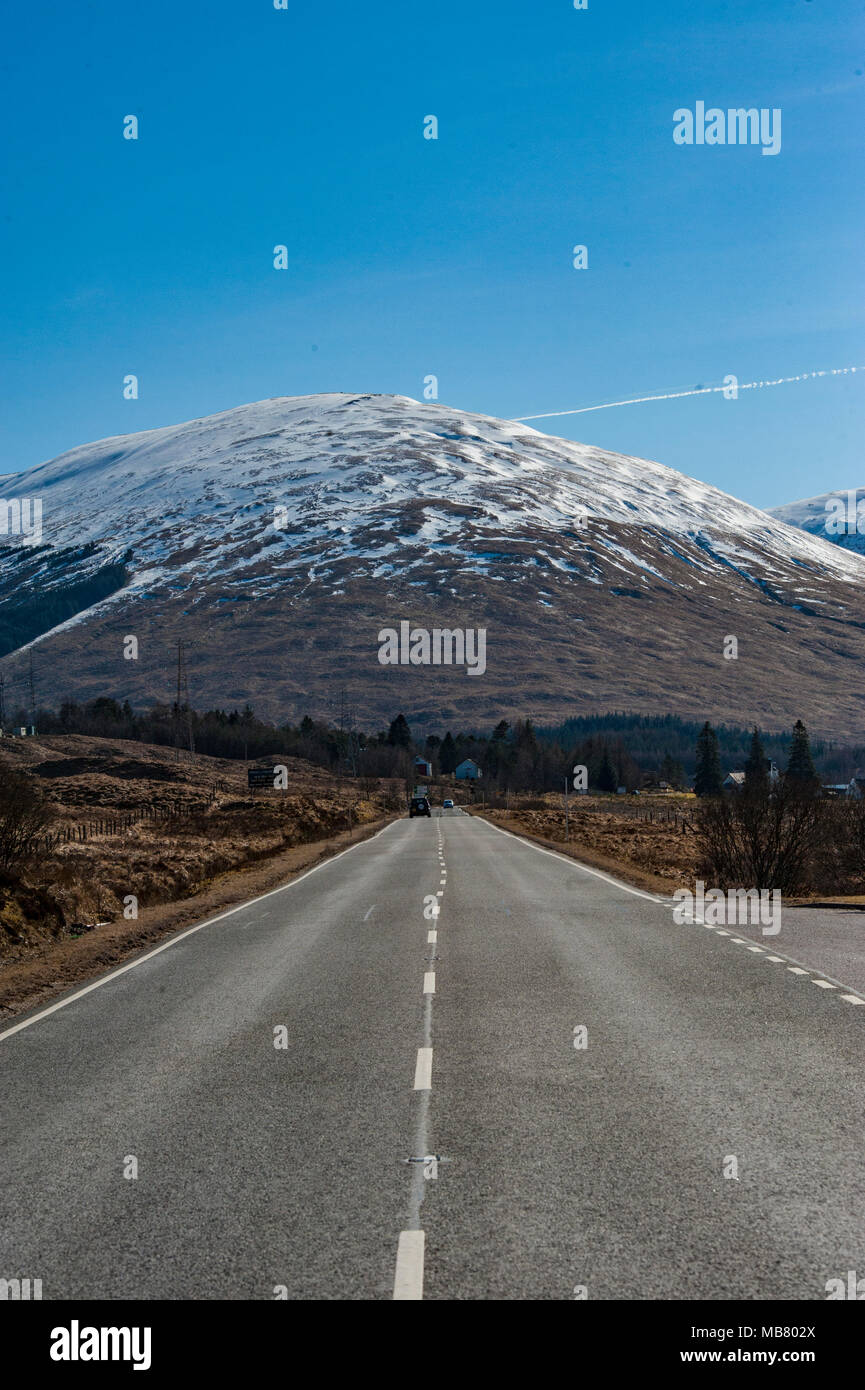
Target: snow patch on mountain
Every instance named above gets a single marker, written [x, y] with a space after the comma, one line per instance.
[333, 487]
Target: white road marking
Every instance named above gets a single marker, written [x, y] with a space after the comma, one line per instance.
[795, 970]
[423, 1069]
[639, 893]
[778, 960]
[432, 937]
[822, 984]
[429, 982]
[408, 1280]
[367, 914]
[575, 864]
[852, 998]
[756, 948]
[181, 936]
[440, 893]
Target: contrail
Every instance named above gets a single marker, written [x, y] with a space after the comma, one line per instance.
[695, 391]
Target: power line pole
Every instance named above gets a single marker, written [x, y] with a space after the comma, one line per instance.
[182, 704]
[32, 694]
[2, 705]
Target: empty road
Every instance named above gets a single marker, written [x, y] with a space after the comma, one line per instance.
[239, 1113]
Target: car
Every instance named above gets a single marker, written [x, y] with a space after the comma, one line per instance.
[419, 807]
[447, 805]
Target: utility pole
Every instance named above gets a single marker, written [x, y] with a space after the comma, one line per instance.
[32, 694]
[567, 825]
[2, 705]
[182, 704]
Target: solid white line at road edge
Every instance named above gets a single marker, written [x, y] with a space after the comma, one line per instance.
[850, 997]
[408, 1279]
[575, 864]
[190, 931]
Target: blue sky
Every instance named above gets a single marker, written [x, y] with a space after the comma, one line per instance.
[453, 257]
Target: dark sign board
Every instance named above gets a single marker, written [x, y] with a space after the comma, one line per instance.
[260, 776]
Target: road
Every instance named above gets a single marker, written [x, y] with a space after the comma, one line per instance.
[269, 1077]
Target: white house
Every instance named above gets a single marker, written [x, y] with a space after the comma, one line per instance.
[735, 781]
[468, 769]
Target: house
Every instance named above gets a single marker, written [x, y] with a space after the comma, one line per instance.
[467, 770]
[855, 788]
[735, 781]
[422, 767]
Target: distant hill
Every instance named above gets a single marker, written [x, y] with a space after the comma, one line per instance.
[276, 540]
[838, 517]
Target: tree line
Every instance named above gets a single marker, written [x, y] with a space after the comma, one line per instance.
[618, 750]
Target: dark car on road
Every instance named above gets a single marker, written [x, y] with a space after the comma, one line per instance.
[419, 806]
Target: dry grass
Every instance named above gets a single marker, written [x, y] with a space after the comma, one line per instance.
[195, 821]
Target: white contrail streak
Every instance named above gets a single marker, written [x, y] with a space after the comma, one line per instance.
[696, 391]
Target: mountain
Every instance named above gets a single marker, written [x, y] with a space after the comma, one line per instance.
[278, 539]
[835, 516]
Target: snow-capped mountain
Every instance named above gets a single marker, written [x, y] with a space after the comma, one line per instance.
[278, 538]
[834, 516]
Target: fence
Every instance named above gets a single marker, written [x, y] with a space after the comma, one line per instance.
[82, 831]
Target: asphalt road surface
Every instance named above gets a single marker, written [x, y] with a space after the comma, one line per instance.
[272, 1077]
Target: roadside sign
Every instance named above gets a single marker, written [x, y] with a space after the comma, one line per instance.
[260, 776]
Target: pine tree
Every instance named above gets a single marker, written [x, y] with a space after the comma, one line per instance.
[800, 765]
[448, 755]
[399, 733]
[756, 770]
[707, 776]
[606, 773]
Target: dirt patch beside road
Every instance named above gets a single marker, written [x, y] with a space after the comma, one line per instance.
[658, 855]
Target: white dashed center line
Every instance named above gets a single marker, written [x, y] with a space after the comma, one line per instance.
[408, 1280]
[423, 1069]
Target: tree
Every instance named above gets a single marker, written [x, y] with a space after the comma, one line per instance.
[500, 732]
[707, 777]
[24, 813]
[800, 770]
[761, 840]
[399, 733]
[672, 772]
[756, 768]
[448, 755]
[606, 773]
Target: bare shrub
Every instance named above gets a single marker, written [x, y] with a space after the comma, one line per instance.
[24, 814]
[761, 839]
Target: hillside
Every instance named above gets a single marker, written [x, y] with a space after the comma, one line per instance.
[278, 539]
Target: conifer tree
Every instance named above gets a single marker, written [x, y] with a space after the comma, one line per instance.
[707, 776]
[756, 770]
[606, 773]
[800, 765]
